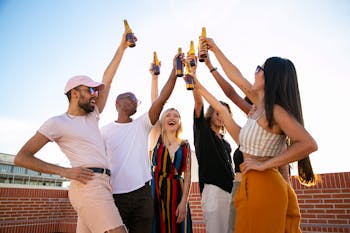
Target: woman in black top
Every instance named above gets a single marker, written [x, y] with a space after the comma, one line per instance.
[214, 165]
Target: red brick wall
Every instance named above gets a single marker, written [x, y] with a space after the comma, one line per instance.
[324, 208]
[24, 210]
[196, 209]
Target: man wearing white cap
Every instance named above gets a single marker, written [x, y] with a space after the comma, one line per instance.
[78, 136]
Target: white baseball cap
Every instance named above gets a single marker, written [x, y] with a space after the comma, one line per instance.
[82, 80]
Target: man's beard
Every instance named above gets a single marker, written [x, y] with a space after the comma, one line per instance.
[87, 107]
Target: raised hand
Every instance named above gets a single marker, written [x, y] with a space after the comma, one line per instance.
[209, 42]
[151, 69]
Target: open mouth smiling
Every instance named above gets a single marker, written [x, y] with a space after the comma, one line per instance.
[171, 123]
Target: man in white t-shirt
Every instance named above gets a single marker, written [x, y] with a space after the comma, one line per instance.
[126, 142]
[77, 134]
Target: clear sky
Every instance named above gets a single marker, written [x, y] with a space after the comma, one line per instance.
[43, 43]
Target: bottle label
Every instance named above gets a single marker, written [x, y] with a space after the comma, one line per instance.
[179, 68]
[156, 69]
[203, 53]
[130, 40]
[192, 62]
[189, 82]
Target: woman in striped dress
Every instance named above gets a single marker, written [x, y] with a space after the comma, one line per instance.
[171, 172]
[171, 163]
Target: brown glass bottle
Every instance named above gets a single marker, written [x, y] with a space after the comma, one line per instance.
[188, 77]
[130, 38]
[192, 53]
[179, 64]
[203, 48]
[155, 65]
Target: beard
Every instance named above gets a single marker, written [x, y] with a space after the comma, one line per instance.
[87, 107]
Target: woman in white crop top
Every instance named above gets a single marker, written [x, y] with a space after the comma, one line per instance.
[264, 201]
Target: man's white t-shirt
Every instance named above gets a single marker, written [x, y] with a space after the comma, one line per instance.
[127, 152]
[78, 137]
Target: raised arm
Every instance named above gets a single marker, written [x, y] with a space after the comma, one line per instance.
[154, 84]
[156, 130]
[158, 103]
[198, 101]
[231, 126]
[231, 71]
[227, 88]
[110, 72]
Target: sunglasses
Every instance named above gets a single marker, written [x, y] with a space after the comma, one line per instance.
[258, 69]
[91, 90]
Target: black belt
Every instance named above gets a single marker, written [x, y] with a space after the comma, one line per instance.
[100, 170]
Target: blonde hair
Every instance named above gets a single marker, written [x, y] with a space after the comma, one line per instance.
[179, 131]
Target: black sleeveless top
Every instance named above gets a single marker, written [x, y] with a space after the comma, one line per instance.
[237, 159]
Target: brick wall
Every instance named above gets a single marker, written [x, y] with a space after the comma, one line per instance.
[196, 209]
[324, 208]
[24, 210]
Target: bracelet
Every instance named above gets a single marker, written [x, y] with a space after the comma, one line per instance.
[214, 69]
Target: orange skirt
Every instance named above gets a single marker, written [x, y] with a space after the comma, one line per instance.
[265, 203]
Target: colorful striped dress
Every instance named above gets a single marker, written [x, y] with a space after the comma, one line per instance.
[167, 187]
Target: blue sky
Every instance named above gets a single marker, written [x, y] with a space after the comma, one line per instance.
[43, 43]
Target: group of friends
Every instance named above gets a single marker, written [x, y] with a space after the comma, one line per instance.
[134, 174]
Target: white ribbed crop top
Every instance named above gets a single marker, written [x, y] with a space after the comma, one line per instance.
[257, 141]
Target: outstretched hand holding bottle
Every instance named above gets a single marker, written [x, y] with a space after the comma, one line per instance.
[129, 36]
[209, 42]
[154, 90]
[155, 66]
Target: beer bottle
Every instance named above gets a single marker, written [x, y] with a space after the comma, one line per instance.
[156, 68]
[179, 65]
[130, 38]
[203, 48]
[188, 77]
[192, 53]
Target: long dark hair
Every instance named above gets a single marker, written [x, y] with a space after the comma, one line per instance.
[281, 87]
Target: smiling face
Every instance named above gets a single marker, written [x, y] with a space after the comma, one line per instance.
[87, 98]
[171, 121]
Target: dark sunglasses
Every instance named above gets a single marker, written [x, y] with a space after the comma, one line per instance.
[93, 90]
[258, 69]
